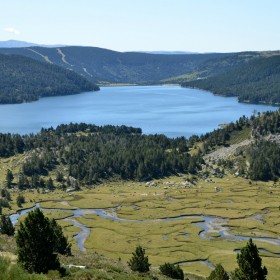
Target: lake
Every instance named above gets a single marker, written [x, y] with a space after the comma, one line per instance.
[171, 110]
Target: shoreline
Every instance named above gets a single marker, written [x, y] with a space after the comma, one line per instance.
[242, 102]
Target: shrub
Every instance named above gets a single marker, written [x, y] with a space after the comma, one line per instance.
[172, 271]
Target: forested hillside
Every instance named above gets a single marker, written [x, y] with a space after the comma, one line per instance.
[107, 66]
[91, 153]
[257, 81]
[23, 79]
[252, 76]
[259, 159]
[217, 66]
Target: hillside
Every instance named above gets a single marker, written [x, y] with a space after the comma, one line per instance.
[216, 66]
[249, 148]
[252, 76]
[23, 80]
[107, 66]
[257, 81]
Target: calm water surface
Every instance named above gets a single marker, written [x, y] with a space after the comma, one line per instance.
[170, 110]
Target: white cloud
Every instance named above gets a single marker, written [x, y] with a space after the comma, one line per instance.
[11, 30]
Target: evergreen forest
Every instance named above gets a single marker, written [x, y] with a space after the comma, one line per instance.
[257, 81]
[24, 79]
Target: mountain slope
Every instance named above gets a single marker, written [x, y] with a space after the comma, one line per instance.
[257, 81]
[23, 80]
[106, 66]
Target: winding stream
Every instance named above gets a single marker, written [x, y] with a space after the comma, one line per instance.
[208, 225]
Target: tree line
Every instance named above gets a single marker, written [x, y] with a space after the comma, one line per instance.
[92, 153]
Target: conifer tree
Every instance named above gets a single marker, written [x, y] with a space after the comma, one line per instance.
[6, 226]
[9, 178]
[250, 264]
[139, 262]
[218, 273]
[37, 243]
[61, 244]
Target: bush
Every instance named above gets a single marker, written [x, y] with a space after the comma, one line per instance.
[172, 271]
[9, 271]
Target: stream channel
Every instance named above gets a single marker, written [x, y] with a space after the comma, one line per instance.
[210, 224]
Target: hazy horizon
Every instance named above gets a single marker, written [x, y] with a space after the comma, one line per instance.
[167, 25]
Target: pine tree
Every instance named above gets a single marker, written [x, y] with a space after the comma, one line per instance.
[250, 264]
[20, 200]
[9, 178]
[6, 194]
[218, 273]
[61, 244]
[6, 226]
[139, 262]
[37, 243]
[49, 184]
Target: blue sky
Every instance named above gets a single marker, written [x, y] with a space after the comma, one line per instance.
[145, 25]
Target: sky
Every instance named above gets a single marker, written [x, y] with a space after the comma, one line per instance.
[145, 25]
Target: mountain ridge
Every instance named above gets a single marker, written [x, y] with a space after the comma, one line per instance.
[105, 66]
[23, 44]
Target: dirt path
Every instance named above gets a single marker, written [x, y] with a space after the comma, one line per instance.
[44, 56]
[63, 57]
[86, 71]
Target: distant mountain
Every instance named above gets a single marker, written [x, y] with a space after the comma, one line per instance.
[22, 44]
[106, 66]
[257, 81]
[23, 79]
[168, 52]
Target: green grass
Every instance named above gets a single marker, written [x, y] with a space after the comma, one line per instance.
[239, 136]
[117, 240]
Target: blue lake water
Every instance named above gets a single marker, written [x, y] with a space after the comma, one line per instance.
[170, 110]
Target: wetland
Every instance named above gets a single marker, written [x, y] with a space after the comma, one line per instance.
[196, 227]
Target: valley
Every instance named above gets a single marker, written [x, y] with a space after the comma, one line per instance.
[139, 140]
[153, 215]
[197, 219]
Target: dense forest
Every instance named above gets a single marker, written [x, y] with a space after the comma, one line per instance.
[89, 153]
[264, 161]
[24, 79]
[92, 153]
[257, 81]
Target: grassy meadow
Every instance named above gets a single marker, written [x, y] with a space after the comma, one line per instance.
[248, 208]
